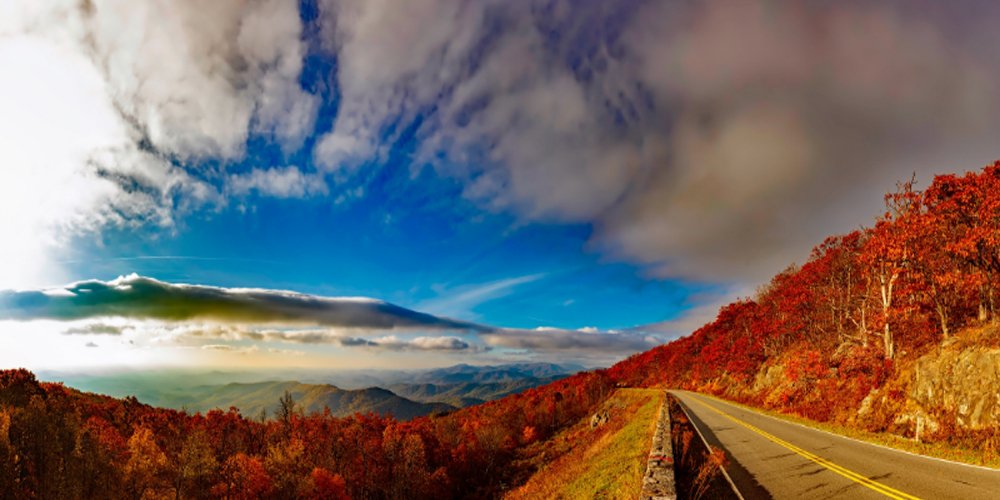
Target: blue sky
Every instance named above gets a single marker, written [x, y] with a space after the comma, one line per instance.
[571, 181]
[414, 242]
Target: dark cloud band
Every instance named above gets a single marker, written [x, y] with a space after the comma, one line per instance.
[206, 312]
[137, 297]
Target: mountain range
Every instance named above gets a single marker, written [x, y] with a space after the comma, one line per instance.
[401, 394]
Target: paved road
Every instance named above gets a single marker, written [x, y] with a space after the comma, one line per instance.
[774, 458]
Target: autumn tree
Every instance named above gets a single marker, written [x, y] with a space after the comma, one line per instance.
[326, 485]
[146, 464]
[285, 412]
[886, 254]
[196, 464]
[243, 477]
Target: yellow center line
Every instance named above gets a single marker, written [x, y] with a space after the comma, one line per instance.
[849, 474]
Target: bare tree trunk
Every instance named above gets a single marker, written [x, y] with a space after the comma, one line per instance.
[983, 305]
[943, 317]
[886, 283]
[864, 325]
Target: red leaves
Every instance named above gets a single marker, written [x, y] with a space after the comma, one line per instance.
[930, 265]
[18, 386]
[139, 450]
[327, 485]
[243, 477]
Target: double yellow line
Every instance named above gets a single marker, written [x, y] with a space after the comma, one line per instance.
[849, 474]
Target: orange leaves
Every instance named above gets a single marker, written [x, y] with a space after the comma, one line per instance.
[243, 477]
[529, 435]
[327, 485]
[146, 463]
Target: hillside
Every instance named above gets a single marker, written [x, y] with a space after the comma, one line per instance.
[254, 398]
[463, 373]
[892, 328]
[459, 385]
[59, 442]
[606, 461]
[467, 393]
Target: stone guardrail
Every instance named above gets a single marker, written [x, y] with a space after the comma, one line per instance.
[658, 482]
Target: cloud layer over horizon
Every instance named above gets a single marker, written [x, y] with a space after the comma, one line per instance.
[205, 315]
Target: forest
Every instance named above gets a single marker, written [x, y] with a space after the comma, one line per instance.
[817, 340]
[56, 442]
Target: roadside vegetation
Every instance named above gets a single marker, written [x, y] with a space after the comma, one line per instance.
[889, 329]
[607, 461]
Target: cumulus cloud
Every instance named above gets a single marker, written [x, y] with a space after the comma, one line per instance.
[113, 112]
[711, 140]
[198, 78]
[288, 182]
[138, 297]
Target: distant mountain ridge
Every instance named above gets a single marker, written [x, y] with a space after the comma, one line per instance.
[253, 398]
[467, 393]
[463, 373]
[401, 394]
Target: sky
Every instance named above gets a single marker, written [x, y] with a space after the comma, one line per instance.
[375, 184]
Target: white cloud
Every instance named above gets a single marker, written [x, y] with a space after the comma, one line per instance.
[100, 99]
[288, 182]
[198, 77]
[463, 299]
[707, 140]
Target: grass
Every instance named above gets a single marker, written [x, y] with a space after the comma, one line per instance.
[941, 450]
[607, 462]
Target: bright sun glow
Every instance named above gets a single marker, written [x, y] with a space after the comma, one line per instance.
[56, 115]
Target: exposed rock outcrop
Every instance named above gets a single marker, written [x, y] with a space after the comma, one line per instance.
[964, 383]
[599, 419]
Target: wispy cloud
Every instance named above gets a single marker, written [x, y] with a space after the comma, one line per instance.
[702, 310]
[463, 299]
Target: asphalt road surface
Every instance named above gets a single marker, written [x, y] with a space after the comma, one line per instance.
[772, 458]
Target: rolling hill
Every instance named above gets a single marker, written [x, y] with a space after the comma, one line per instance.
[254, 398]
[466, 393]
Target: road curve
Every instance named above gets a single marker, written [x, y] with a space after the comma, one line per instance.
[773, 458]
